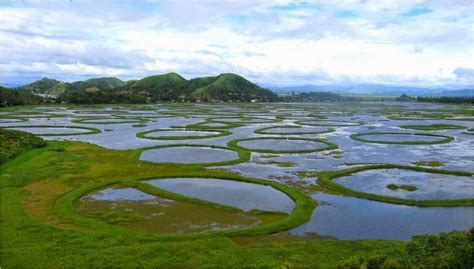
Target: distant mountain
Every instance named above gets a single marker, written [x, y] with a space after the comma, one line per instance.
[12, 97]
[460, 93]
[317, 97]
[373, 89]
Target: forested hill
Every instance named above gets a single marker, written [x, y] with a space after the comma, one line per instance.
[169, 87]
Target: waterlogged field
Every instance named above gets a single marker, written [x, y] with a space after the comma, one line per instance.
[191, 184]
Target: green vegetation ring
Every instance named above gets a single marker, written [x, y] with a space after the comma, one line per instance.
[122, 120]
[325, 179]
[335, 124]
[244, 155]
[12, 120]
[329, 145]
[432, 127]
[266, 130]
[444, 138]
[246, 120]
[217, 133]
[202, 125]
[301, 213]
[90, 130]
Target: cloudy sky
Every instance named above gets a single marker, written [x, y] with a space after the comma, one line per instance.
[401, 42]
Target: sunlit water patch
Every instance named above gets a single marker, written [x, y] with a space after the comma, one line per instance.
[246, 196]
[354, 218]
[429, 185]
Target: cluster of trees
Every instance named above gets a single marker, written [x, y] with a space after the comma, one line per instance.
[441, 99]
[316, 97]
[19, 98]
[447, 250]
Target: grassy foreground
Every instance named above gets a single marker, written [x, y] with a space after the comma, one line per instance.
[39, 230]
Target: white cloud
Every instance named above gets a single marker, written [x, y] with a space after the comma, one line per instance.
[295, 42]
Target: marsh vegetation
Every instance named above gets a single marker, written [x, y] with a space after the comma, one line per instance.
[194, 184]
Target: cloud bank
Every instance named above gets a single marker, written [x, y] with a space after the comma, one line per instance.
[416, 43]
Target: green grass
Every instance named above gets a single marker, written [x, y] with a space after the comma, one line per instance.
[432, 127]
[444, 138]
[13, 143]
[217, 133]
[243, 154]
[428, 163]
[90, 130]
[328, 145]
[267, 130]
[395, 187]
[35, 222]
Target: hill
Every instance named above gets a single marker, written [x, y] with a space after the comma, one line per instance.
[46, 86]
[106, 82]
[166, 87]
[170, 87]
[230, 87]
[18, 97]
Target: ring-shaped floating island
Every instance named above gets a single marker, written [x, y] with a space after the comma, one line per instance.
[433, 127]
[282, 145]
[213, 125]
[201, 155]
[107, 120]
[326, 179]
[396, 138]
[141, 189]
[54, 130]
[11, 120]
[243, 120]
[181, 134]
[329, 123]
[292, 130]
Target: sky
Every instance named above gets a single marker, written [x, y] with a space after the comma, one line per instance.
[279, 42]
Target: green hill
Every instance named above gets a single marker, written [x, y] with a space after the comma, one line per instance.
[18, 97]
[168, 87]
[106, 82]
[46, 86]
[231, 87]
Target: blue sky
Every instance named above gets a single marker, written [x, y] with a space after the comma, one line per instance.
[279, 42]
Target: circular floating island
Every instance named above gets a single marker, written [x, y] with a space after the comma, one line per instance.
[242, 120]
[403, 185]
[136, 210]
[409, 184]
[181, 134]
[106, 121]
[243, 195]
[282, 144]
[329, 123]
[11, 120]
[194, 154]
[432, 127]
[293, 130]
[51, 130]
[402, 138]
